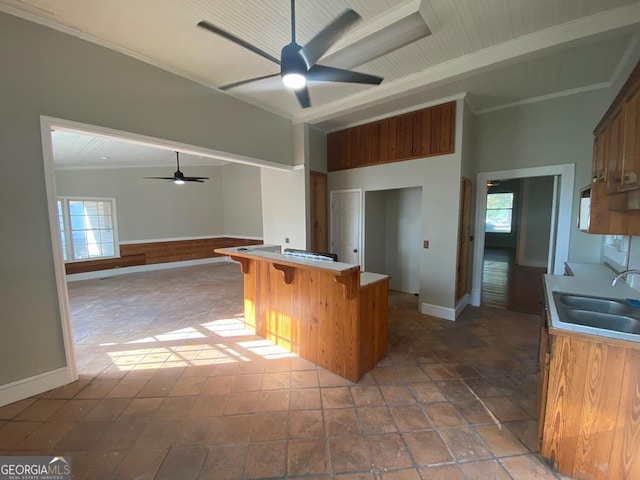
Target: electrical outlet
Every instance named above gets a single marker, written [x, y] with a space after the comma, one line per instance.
[425, 244]
[286, 239]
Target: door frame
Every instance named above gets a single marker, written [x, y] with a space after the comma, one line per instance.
[359, 191]
[562, 221]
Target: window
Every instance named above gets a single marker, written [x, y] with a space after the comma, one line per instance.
[499, 212]
[88, 228]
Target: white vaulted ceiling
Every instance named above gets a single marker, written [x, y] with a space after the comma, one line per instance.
[499, 52]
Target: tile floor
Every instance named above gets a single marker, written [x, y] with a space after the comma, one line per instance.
[172, 387]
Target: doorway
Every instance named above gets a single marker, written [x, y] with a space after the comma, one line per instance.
[392, 225]
[517, 242]
[346, 225]
[559, 230]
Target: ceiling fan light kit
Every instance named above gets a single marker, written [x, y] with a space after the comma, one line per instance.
[298, 63]
[179, 178]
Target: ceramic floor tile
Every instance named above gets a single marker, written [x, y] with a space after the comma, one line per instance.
[464, 444]
[342, 421]
[501, 441]
[336, 397]
[156, 397]
[306, 423]
[376, 420]
[224, 462]
[367, 396]
[525, 467]
[306, 456]
[427, 448]
[389, 451]
[349, 454]
[141, 464]
[442, 472]
[411, 418]
[443, 415]
[305, 399]
[182, 462]
[266, 460]
[483, 470]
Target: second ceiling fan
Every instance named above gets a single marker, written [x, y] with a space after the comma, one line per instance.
[298, 63]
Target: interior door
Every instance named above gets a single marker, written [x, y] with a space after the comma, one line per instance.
[346, 220]
[464, 238]
[319, 233]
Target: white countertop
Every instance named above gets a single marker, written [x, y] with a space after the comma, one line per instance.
[592, 280]
[367, 278]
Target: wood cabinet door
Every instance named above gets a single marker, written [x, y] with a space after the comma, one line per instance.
[464, 237]
[544, 360]
[613, 152]
[630, 142]
[599, 160]
[318, 207]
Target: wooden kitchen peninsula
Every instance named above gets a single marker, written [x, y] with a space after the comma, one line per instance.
[327, 312]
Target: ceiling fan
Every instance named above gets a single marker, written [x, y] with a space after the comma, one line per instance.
[178, 177]
[298, 63]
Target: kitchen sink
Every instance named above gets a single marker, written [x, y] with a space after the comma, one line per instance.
[596, 312]
[595, 304]
[606, 321]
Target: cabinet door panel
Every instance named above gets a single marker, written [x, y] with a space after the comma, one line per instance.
[613, 144]
[631, 143]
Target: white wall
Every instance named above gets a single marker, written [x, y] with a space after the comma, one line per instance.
[45, 72]
[283, 208]
[242, 200]
[149, 210]
[535, 221]
[439, 178]
[553, 132]
[375, 221]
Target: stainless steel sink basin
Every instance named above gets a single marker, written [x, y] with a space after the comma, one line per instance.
[595, 304]
[596, 312]
[606, 321]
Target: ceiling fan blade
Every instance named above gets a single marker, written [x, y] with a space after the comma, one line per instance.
[323, 73]
[193, 179]
[161, 178]
[229, 36]
[318, 45]
[303, 97]
[242, 82]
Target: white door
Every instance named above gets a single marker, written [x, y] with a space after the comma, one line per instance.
[346, 219]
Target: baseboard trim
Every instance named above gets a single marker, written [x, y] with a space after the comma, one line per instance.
[464, 301]
[74, 277]
[28, 387]
[438, 311]
[476, 297]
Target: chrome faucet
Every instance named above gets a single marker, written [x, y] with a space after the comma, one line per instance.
[622, 274]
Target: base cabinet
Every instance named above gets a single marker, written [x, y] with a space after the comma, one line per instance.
[590, 410]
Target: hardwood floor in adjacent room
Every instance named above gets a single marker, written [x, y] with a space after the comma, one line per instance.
[509, 286]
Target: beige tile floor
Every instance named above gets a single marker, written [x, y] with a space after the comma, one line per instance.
[172, 387]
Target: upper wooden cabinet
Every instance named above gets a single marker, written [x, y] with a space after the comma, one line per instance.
[630, 140]
[423, 133]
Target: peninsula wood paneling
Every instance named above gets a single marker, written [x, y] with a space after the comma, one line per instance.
[321, 315]
[418, 134]
[160, 252]
[592, 421]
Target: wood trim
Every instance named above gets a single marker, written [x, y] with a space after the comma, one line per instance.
[419, 134]
[160, 252]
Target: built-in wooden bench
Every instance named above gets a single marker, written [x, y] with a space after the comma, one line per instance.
[148, 253]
